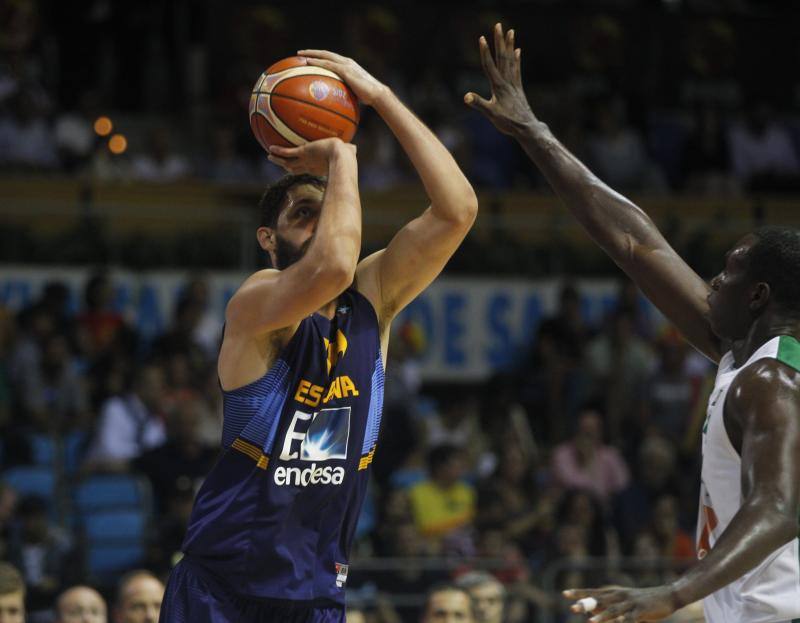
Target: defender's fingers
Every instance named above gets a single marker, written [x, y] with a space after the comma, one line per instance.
[518, 66]
[499, 40]
[473, 100]
[613, 613]
[487, 62]
[325, 64]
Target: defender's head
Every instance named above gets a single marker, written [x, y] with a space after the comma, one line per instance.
[760, 275]
[290, 210]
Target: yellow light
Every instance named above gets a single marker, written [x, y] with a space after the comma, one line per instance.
[103, 126]
[118, 144]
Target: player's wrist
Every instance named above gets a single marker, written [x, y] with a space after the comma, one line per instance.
[380, 97]
[530, 128]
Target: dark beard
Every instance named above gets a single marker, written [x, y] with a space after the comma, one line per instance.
[286, 254]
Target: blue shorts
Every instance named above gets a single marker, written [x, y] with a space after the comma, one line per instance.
[193, 595]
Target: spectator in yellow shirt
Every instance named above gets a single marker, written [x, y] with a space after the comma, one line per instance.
[443, 504]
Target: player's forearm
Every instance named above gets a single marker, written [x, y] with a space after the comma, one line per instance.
[753, 534]
[452, 197]
[337, 242]
[613, 221]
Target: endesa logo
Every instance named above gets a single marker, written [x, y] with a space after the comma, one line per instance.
[315, 437]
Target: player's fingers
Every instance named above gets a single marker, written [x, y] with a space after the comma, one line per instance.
[489, 68]
[518, 67]
[284, 152]
[327, 54]
[326, 64]
[473, 100]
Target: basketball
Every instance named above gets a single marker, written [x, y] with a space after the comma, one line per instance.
[294, 102]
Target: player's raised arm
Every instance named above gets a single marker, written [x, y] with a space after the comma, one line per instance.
[274, 299]
[621, 228]
[419, 251]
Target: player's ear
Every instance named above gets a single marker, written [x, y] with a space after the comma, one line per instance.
[266, 238]
[759, 296]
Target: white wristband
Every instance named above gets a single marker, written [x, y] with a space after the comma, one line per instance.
[588, 604]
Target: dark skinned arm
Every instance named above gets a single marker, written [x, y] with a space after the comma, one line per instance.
[764, 402]
[622, 229]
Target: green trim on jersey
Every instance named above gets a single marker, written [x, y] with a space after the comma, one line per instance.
[789, 351]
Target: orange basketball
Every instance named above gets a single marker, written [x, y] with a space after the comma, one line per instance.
[294, 102]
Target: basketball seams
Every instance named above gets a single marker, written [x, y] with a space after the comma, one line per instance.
[307, 103]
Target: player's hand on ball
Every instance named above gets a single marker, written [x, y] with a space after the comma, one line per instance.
[363, 84]
[313, 157]
[623, 605]
[508, 109]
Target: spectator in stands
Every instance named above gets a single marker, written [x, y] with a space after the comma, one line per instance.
[7, 330]
[160, 164]
[74, 132]
[165, 549]
[457, 423]
[586, 463]
[668, 539]
[355, 615]
[8, 508]
[180, 338]
[706, 162]
[53, 394]
[509, 499]
[762, 152]
[228, 166]
[182, 457]
[655, 476]
[81, 604]
[99, 324]
[130, 424]
[26, 139]
[448, 603]
[207, 331]
[671, 392]
[41, 551]
[618, 363]
[139, 596]
[12, 595]
[616, 151]
[443, 505]
[552, 374]
[488, 596]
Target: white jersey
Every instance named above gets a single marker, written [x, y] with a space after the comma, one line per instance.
[770, 592]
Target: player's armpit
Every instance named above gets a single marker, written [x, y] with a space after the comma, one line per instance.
[393, 277]
[764, 402]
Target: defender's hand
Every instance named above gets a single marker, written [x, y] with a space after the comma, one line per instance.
[364, 85]
[626, 605]
[508, 109]
[313, 157]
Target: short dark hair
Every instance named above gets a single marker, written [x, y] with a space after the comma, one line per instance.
[273, 198]
[449, 587]
[440, 455]
[775, 259]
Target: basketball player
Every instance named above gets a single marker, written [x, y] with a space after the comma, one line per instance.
[302, 370]
[748, 320]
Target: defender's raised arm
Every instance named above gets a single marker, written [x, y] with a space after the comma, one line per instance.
[623, 230]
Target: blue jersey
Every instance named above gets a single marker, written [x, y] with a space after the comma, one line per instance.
[276, 516]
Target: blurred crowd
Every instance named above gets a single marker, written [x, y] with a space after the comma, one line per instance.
[706, 117]
[553, 473]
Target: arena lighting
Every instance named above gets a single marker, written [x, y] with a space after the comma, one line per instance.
[117, 144]
[103, 126]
